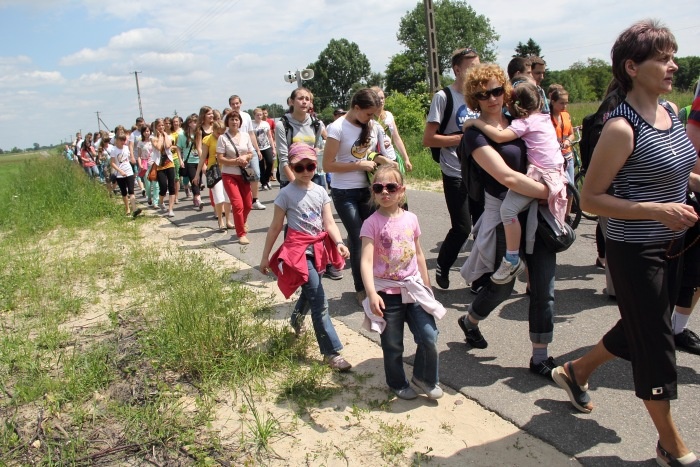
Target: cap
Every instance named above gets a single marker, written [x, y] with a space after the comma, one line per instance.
[339, 111]
[301, 151]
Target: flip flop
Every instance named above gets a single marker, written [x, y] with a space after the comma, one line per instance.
[578, 395]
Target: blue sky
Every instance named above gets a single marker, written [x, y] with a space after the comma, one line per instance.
[64, 60]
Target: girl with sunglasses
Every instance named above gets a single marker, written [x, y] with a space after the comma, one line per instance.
[311, 242]
[393, 267]
[546, 166]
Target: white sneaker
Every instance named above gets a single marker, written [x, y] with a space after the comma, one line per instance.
[258, 205]
[171, 214]
[507, 272]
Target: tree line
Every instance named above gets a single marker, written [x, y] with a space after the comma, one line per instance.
[341, 67]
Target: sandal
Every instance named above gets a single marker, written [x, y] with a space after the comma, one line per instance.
[666, 459]
[578, 395]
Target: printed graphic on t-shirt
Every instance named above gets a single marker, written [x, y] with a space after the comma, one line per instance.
[395, 250]
[463, 113]
[358, 151]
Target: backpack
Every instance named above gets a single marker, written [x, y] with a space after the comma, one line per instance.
[592, 126]
[315, 123]
[446, 114]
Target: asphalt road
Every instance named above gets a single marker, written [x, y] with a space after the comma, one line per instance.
[617, 432]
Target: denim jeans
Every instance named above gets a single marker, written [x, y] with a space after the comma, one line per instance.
[313, 297]
[425, 333]
[353, 207]
[541, 266]
[458, 208]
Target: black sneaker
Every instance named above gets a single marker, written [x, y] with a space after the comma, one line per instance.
[333, 273]
[473, 335]
[475, 288]
[137, 213]
[544, 368]
[443, 280]
[688, 341]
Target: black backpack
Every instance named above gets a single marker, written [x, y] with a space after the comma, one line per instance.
[592, 126]
[446, 114]
[288, 129]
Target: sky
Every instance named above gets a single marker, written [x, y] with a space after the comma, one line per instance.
[62, 61]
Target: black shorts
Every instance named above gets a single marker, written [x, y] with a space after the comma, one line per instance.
[126, 185]
[646, 285]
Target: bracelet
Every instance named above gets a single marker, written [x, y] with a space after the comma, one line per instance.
[339, 243]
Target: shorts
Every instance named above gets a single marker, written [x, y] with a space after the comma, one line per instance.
[126, 185]
[218, 194]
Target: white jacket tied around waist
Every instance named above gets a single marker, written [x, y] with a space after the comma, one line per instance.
[413, 290]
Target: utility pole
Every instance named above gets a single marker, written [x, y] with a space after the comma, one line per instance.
[433, 65]
[99, 128]
[138, 92]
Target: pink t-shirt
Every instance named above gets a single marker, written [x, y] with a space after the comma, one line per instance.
[394, 244]
[540, 138]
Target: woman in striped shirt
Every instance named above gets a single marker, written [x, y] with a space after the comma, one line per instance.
[644, 153]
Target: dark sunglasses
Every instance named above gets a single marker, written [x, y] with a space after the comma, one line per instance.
[485, 95]
[299, 168]
[390, 187]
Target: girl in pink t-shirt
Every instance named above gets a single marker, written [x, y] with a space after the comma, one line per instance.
[391, 259]
[546, 165]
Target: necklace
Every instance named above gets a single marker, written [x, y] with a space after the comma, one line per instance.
[492, 123]
[670, 144]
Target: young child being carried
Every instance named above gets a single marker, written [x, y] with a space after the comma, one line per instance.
[546, 165]
[396, 279]
[311, 242]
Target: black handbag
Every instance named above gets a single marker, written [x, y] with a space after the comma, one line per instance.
[213, 175]
[556, 238]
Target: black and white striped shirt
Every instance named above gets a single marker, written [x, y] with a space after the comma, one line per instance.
[657, 171]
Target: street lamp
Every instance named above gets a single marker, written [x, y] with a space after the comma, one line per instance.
[299, 76]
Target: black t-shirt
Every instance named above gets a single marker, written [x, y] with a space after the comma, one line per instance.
[513, 153]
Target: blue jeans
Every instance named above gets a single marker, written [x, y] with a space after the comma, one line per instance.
[313, 297]
[425, 333]
[541, 266]
[353, 207]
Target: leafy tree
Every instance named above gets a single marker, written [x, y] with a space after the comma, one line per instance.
[15, 150]
[686, 78]
[339, 66]
[404, 71]
[274, 110]
[585, 81]
[408, 111]
[36, 146]
[457, 25]
[376, 79]
[530, 48]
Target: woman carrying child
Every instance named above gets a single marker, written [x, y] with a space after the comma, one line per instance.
[396, 280]
[546, 165]
[312, 241]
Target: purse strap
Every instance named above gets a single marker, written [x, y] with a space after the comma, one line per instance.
[233, 144]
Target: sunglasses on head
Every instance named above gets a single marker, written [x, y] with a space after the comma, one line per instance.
[390, 187]
[299, 168]
[485, 95]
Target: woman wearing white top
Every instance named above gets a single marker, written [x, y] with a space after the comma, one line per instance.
[350, 140]
[233, 152]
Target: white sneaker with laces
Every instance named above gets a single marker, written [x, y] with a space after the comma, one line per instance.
[258, 205]
[507, 271]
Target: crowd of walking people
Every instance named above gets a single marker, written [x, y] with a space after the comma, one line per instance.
[518, 137]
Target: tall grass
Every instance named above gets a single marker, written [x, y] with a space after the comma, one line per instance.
[42, 194]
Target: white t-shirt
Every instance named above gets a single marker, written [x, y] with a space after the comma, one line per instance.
[246, 122]
[350, 151]
[261, 131]
[121, 158]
